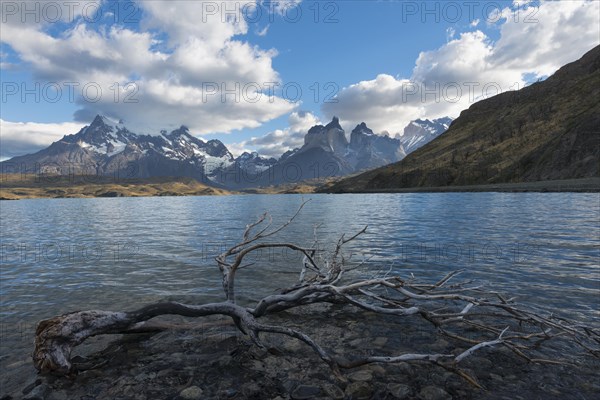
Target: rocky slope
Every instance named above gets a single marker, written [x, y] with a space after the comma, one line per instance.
[546, 131]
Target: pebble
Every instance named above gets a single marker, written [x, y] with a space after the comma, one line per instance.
[291, 345]
[399, 391]
[164, 372]
[359, 391]
[406, 369]
[32, 385]
[480, 362]
[59, 395]
[377, 369]
[304, 392]
[38, 392]
[380, 341]
[191, 393]
[361, 376]
[333, 391]
[434, 393]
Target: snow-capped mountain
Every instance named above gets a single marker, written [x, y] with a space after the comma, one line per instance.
[253, 163]
[422, 131]
[106, 147]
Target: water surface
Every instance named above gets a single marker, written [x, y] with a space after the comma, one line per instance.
[61, 255]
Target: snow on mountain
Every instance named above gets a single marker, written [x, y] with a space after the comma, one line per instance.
[107, 147]
[254, 163]
[422, 131]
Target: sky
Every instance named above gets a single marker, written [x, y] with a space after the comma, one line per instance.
[257, 74]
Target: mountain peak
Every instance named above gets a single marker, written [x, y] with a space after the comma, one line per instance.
[99, 120]
[335, 123]
[362, 127]
[182, 131]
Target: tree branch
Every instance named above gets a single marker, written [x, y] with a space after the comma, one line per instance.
[439, 304]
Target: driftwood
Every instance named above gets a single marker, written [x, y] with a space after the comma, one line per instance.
[490, 318]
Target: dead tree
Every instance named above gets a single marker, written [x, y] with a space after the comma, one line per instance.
[496, 320]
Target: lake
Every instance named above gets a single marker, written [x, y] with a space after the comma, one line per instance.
[61, 255]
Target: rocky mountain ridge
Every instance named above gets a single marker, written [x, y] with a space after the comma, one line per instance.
[109, 148]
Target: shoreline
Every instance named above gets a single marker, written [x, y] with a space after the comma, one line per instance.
[583, 185]
[210, 359]
[189, 187]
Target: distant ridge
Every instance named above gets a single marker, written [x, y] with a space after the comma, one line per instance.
[547, 131]
[108, 148]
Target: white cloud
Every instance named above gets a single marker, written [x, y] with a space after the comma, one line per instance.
[263, 31]
[28, 137]
[177, 64]
[450, 33]
[533, 40]
[277, 142]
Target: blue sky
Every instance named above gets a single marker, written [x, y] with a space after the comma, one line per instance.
[365, 53]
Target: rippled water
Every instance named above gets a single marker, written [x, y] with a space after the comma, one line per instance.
[62, 255]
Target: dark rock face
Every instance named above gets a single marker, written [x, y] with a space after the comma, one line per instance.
[546, 131]
[368, 150]
[331, 138]
[326, 153]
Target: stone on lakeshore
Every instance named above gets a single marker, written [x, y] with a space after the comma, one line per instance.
[191, 393]
[359, 391]
[434, 393]
[399, 391]
[380, 341]
[333, 392]
[305, 392]
[361, 376]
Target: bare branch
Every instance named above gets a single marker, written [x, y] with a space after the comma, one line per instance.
[455, 311]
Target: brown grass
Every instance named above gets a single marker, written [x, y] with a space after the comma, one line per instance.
[29, 186]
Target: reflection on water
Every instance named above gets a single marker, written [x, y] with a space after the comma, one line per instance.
[62, 255]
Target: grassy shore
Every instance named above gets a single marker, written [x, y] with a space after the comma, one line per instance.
[566, 185]
[20, 186]
[31, 186]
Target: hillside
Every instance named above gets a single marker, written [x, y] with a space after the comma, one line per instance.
[547, 131]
